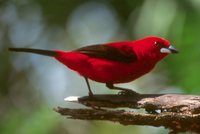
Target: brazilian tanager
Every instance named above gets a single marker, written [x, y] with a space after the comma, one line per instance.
[112, 63]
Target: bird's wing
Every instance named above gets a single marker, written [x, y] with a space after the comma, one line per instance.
[109, 53]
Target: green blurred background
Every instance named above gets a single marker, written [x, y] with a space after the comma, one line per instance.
[31, 85]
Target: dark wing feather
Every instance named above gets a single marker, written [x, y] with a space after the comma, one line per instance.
[109, 53]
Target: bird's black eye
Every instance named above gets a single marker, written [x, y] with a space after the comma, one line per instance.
[158, 43]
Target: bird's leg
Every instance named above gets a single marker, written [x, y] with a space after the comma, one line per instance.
[124, 91]
[88, 85]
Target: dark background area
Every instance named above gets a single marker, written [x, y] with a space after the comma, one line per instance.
[31, 85]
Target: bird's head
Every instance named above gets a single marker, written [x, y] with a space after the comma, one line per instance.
[154, 48]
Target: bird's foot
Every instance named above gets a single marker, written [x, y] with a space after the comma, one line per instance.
[128, 92]
[90, 94]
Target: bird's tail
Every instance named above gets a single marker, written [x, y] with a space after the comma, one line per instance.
[36, 51]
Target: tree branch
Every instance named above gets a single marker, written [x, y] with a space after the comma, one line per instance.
[180, 113]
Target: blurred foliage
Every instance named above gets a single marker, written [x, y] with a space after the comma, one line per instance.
[32, 85]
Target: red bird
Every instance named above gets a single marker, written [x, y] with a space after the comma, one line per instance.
[112, 63]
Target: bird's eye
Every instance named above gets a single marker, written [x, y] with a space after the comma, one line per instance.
[158, 43]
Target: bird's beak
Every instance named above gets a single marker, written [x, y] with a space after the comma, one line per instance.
[169, 50]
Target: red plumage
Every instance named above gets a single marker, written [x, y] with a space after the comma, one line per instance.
[111, 63]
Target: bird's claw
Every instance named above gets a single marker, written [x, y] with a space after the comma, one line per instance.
[128, 92]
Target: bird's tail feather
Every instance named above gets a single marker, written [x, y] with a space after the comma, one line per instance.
[36, 51]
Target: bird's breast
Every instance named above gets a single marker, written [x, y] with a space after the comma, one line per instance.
[116, 72]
